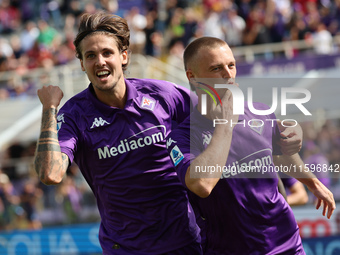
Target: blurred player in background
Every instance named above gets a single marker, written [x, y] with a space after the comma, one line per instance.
[241, 213]
[295, 191]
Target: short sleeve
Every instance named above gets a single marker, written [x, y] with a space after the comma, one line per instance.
[67, 134]
[181, 152]
[287, 181]
[276, 136]
[181, 101]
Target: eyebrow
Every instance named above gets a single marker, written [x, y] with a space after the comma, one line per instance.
[214, 66]
[219, 65]
[90, 51]
[105, 49]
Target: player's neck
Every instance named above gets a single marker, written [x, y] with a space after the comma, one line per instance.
[115, 97]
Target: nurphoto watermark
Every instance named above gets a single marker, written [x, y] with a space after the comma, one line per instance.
[281, 97]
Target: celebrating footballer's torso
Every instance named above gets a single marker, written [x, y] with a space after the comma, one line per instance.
[126, 162]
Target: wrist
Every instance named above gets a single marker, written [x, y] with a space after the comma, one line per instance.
[311, 183]
[224, 128]
[48, 107]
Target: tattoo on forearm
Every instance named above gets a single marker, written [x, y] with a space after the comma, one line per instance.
[49, 134]
[48, 153]
[51, 160]
[48, 147]
[49, 118]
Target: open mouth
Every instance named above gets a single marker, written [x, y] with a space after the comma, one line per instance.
[103, 74]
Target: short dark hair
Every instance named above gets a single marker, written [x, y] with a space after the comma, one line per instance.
[202, 42]
[101, 22]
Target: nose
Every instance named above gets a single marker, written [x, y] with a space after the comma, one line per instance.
[100, 60]
[227, 73]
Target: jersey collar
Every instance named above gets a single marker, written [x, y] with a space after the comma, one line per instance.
[131, 94]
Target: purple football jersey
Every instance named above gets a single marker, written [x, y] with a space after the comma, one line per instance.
[244, 214]
[122, 154]
[287, 181]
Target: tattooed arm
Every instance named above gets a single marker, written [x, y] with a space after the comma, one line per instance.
[50, 164]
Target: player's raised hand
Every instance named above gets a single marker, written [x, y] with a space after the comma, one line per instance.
[50, 96]
[223, 109]
[324, 196]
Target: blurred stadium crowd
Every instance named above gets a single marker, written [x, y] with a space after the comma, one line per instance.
[40, 33]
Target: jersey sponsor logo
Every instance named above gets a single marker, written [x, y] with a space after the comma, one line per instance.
[148, 103]
[133, 143]
[256, 125]
[60, 121]
[248, 165]
[169, 142]
[176, 155]
[99, 122]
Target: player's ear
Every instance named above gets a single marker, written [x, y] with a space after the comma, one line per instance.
[189, 73]
[82, 65]
[192, 80]
[124, 57]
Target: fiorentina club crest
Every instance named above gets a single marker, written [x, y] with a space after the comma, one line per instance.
[257, 126]
[148, 103]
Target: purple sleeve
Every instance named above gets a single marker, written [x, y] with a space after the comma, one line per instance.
[180, 152]
[67, 134]
[288, 182]
[181, 101]
[276, 136]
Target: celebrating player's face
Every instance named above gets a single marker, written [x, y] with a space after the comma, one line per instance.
[102, 61]
[215, 63]
[218, 62]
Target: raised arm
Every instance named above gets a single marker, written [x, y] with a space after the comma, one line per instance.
[302, 174]
[216, 153]
[50, 164]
